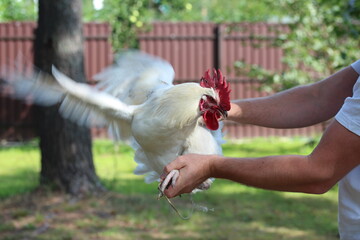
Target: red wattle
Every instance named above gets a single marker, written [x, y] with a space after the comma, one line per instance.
[211, 120]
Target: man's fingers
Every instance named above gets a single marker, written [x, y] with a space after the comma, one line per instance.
[173, 191]
[177, 164]
[170, 192]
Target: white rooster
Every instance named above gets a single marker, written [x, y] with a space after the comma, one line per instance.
[136, 98]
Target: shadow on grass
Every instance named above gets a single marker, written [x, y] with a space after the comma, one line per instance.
[132, 211]
[253, 214]
[21, 181]
[270, 211]
[251, 210]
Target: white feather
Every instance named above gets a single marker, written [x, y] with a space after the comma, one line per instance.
[134, 76]
[37, 88]
[136, 99]
[88, 106]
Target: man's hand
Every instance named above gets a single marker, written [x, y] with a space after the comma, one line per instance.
[194, 170]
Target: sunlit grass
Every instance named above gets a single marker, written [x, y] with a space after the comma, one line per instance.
[132, 211]
[19, 166]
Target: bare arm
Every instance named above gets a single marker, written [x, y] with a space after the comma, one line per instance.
[336, 154]
[297, 107]
[314, 173]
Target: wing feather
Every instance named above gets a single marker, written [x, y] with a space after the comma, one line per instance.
[134, 76]
[36, 88]
[89, 106]
[80, 96]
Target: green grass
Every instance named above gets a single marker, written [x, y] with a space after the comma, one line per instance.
[131, 211]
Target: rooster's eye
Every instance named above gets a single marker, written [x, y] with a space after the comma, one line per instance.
[210, 99]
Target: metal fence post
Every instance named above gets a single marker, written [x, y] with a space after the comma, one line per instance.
[218, 38]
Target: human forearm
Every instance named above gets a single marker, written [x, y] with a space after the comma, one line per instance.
[297, 107]
[292, 173]
[288, 109]
[336, 154]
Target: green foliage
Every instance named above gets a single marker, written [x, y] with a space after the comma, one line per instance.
[125, 17]
[323, 38]
[89, 12]
[128, 17]
[18, 10]
[235, 11]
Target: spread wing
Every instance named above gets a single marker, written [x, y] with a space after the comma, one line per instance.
[134, 76]
[81, 101]
[39, 88]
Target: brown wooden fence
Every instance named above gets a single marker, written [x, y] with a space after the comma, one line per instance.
[191, 48]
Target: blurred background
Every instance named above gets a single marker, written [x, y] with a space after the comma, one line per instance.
[261, 46]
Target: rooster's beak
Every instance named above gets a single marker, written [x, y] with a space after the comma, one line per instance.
[223, 114]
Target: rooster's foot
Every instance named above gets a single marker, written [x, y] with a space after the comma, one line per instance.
[205, 185]
[170, 179]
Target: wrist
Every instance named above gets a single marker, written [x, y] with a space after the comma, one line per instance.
[215, 163]
[235, 112]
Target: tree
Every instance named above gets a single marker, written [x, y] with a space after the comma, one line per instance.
[128, 17]
[323, 38]
[66, 157]
[232, 11]
[89, 11]
[20, 10]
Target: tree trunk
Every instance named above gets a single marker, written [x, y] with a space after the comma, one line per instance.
[66, 157]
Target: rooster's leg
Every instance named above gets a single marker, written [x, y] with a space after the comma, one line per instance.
[205, 185]
[172, 176]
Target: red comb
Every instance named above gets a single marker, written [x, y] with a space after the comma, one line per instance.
[218, 82]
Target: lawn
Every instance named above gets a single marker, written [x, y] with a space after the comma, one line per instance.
[130, 209]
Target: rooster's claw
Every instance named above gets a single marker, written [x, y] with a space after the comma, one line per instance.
[170, 179]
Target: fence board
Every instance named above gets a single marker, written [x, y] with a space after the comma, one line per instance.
[191, 48]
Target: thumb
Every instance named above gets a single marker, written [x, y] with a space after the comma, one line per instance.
[177, 164]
